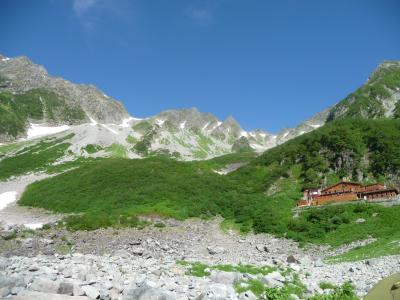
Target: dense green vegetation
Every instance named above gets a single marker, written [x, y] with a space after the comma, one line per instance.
[91, 148]
[338, 224]
[357, 149]
[37, 104]
[365, 102]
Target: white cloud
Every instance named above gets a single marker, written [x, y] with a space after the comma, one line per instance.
[202, 12]
[91, 13]
[83, 6]
[200, 15]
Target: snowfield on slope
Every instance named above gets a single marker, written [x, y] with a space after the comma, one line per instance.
[7, 198]
[38, 130]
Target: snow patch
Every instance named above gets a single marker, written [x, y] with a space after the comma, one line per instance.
[36, 130]
[245, 134]
[106, 96]
[221, 172]
[7, 198]
[160, 122]
[263, 135]
[110, 129]
[5, 59]
[34, 225]
[302, 132]
[93, 122]
[125, 122]
[182, 125]
[285, 134]
[205, 126]
[257, 146]
[315, 125]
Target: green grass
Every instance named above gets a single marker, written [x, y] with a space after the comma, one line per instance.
[142, 127]
[117, 150]
[37, 157]
[254, 285]
[336, 225]
[326, 285]
[91, 148]
[343, 292]
[201, 270]
[131, 140]
[382, 247]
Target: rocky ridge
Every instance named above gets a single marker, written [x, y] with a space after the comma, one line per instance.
[187, 132]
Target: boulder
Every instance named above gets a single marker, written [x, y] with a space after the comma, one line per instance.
[274, 279]
[45, 285]
[215, 250]
[4, 263]
[291, 260]
[262, 248]
[32, 295]
[147, 292]
[226, 277]
[218, 291]
[248, 295]
[91, 291]
[66, 288]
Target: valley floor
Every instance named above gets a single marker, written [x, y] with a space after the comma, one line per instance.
[122, 264]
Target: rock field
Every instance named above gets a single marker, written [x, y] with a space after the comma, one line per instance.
[144, 263]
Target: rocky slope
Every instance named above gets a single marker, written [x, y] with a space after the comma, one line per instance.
[155, 263]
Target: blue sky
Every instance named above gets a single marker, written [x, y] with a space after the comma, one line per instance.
[269, 63]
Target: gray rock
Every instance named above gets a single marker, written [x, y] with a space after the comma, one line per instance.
[32, 295]
[226, 277]
[218, 291]
[91, 291]
[77, 290]
[4, 292]
[292, 260]
[4, 263]
[262, 248]
[66, 288]
[137, 251]
[215, 250]
[248, 295]
[147, 292]
[45, 285]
